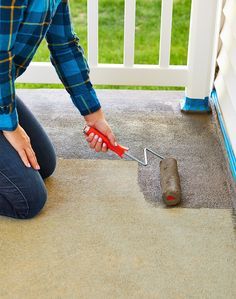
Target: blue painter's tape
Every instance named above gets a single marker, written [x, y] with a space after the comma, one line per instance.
[228, 145]
[195, 105]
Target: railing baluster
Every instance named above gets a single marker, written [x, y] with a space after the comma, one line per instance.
[129, 32]
[165, 37]
[92, 9]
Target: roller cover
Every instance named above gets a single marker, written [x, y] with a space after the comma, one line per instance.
[170, 181]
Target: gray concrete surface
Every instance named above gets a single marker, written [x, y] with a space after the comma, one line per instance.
[139, 119]
[104, 240]
[104, 232]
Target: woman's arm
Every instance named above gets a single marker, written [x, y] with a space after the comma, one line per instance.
[68, 58]
[10, 18]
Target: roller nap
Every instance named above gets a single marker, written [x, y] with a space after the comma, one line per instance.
[170, 181]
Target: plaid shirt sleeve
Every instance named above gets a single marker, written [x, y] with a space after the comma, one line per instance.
[10, 16]
[68, 58]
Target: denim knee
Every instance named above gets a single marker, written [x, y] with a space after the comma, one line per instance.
[36, 202]
[47, 170]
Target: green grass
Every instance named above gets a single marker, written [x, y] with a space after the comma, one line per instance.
[111, 26]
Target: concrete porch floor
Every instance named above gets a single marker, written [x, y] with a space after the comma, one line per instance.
[116, 239]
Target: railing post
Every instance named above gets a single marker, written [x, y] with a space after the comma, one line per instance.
[129, 32]
[92, 8]
[203, 41]
[165, 33]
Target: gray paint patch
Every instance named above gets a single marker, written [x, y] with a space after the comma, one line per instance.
[139, 119]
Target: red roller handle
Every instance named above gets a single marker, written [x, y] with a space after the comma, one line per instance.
[119, 149]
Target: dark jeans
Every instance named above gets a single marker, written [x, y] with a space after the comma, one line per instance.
[22, 190]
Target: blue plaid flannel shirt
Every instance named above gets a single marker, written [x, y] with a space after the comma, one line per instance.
[23, 25]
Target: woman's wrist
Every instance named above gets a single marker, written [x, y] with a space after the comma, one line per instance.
[92, 118]
[11, 131]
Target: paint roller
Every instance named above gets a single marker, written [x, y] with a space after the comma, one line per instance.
[169, 176]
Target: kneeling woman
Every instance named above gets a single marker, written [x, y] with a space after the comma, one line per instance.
[27, 155]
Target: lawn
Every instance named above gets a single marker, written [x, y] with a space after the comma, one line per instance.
[111, 26]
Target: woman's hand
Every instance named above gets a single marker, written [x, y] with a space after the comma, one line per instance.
[21, 143]
[97, 121]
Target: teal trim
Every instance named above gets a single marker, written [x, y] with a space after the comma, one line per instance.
[195, 105]
[227, 142]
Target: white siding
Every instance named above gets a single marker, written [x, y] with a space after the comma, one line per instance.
[226, 79]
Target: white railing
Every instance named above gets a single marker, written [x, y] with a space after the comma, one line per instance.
[196, 76]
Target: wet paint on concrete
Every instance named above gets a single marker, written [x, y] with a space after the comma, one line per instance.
[146, 118]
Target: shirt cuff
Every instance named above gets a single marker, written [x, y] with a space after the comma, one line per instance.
[87, 103]
[9, 122]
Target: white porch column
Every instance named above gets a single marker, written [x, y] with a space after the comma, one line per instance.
[203, 41]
